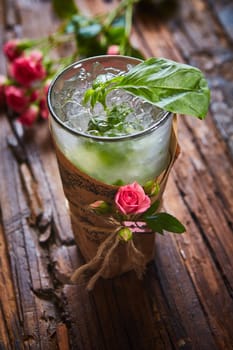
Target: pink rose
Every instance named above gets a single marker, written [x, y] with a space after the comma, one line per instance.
[29, 116]
[28, 69]
[3, 81]
[16, 98]
[131, 199]
[11, 49]
[34, 95]
[44, 111]
[113, 50]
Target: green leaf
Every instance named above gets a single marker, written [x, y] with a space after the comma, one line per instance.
[87, 96]
[114, 35]
[113, 124]
[80, 20]
[115, 32]
[153, 208]
[119, 22]
[169, 85]
[164, 221]
[154, 224]
[64, 9]
[90, 31]
[118, 182]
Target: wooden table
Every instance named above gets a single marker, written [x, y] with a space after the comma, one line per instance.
[185, 298]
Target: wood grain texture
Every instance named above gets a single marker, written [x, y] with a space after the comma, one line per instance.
[185, 298]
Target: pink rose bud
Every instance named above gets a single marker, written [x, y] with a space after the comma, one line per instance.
[16, 98]
[36, 55]
[3, 81]
[125, 234]
[100, 207]
[11, 49]
[28, 69]
[113, 50]
[34, 95]
[44, 111]
[28, 117]
[151, 187]
[131, 199]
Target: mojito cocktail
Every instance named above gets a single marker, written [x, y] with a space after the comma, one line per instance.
[102, 147]
[124, 142]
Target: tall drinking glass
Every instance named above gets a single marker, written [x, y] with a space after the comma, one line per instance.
[93, 166]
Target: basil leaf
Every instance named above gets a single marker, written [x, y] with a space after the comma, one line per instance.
[171, 86]
[164, 221]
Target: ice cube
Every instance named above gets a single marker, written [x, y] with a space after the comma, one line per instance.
[78, 122]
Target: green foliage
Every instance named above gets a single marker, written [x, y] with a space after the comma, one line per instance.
[115, 31]
[163, 221]
[153, 208]
[113, 125]
[167, 84]
[86, 32]
[94, 35]
[64, 9]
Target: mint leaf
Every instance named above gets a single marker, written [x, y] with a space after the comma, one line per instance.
[164, 221]
[113, 125]
[169, 85]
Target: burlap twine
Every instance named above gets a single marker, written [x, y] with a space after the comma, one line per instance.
[106, 254]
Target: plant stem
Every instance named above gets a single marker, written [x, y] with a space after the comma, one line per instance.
[128, 26]
[122, 5]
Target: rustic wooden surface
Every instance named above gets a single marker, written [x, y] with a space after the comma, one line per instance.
[185, 299]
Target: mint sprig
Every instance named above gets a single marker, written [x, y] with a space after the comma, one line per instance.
[169, 85]
[113, 124]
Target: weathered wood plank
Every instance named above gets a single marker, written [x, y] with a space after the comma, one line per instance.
[10, 332]
[28, 261]
[206, 278]
[224, 13]
[211, 50]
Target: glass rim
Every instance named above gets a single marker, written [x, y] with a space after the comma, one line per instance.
[69, 129]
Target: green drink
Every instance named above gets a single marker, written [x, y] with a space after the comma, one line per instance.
[128, 142]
